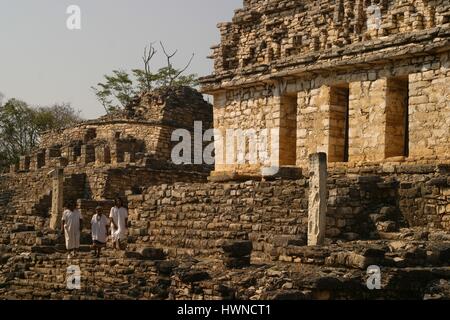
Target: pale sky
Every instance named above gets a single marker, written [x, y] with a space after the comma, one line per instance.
[42, 62]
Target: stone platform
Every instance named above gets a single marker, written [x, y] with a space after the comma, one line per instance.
[414, 265]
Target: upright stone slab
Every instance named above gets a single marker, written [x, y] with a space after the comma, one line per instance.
[129, 157]
[14, 168]
[24, 163]
[57, 197]
[71, 154]
[38, 160]
[317, 199]
[87, 154]
[102, 155]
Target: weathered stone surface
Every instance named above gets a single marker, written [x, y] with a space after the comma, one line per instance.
[238, 248]
[324, 79]
[318, 192]
[166, 267]
[152, 253]
[327, 78]
[194, 276]
[57, 198]
[42, 275]
[237, 262]
[43, 249]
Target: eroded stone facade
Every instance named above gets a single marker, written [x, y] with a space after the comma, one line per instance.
[112, 156]
[363, 81]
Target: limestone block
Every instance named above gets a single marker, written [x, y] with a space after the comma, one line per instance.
[24, 163]
[317, 199]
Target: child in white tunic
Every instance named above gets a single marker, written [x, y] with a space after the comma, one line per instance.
[99, 224]
[72, 226]
[119, 222]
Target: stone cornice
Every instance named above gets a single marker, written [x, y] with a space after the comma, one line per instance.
[365, 54]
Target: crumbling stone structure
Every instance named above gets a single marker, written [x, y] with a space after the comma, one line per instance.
[112, 156]
[363, 81]
[144, 127]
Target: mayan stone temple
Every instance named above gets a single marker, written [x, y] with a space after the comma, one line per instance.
[346, 106]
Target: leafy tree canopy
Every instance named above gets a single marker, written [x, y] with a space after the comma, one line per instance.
[120, 88]
[22, 125]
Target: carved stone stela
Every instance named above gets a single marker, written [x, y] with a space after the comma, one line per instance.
[318, 197]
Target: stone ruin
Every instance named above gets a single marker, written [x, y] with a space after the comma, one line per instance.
[327, 81]
[356, 92]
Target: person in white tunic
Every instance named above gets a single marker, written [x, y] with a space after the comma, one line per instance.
[119, 222]
[72, 224]
[99, 229]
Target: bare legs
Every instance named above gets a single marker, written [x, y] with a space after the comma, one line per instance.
[97, 249]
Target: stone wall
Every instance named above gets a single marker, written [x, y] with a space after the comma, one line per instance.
[362, 204]
[375, 101]
[150, 120]
[389, 197]
[156, 137]
[171, 222]
[364, 93]
[327, 76]
[110, 182]
[74, 186]
[256, 109]
[264, 33]
[327, 273]
[5, 194]
[429, 109]
[26, 197]
[199, 218]
[178, 106]
[116, 155]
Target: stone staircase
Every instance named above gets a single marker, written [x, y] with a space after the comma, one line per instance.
[5, 198]
[43, 205]
[26, 215]
[178, 250]
[43, 276]
[414, 264]
[22, 221]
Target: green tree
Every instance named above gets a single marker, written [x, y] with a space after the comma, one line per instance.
[17, 133]
[57, 116]
[21, 127]
[117, 91]
[120, 88]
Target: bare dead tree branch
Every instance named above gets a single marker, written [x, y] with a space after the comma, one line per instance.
[148, 56]
[179, 73]
[168, 56]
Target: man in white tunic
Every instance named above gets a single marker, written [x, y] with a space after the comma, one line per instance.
[72, 225]
[119, 222]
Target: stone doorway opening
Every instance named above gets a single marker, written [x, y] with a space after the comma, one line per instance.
[288, 130]
[397, 117]
[338, 149]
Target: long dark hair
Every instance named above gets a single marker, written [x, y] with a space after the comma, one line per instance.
[71, 205]
[118, 202]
